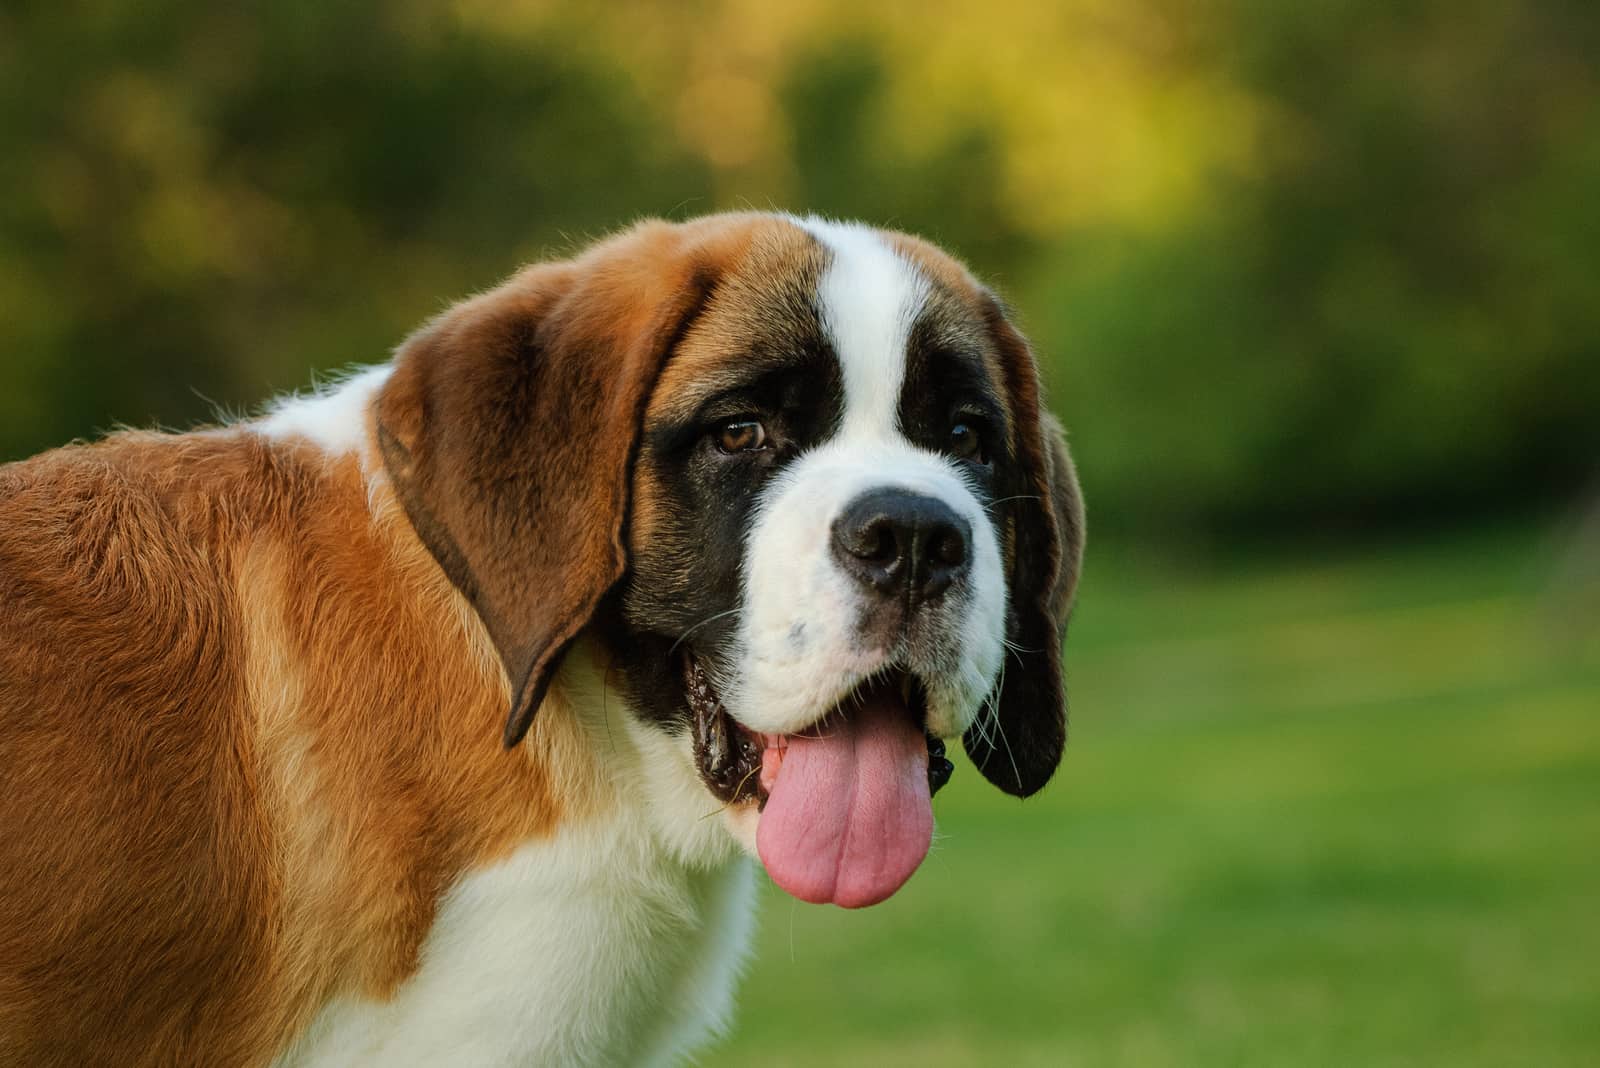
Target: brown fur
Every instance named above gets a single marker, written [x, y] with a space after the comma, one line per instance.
[775, 284]
[248, 741]
[512, 421]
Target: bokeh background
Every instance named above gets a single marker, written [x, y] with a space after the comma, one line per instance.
[1315, 287]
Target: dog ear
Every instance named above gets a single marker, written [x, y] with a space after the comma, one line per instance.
[1018, 750]
[509, 429]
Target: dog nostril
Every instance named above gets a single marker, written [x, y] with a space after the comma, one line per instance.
[948, 547]
[879, 543]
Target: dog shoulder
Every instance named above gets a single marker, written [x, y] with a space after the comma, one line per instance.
[132, 832]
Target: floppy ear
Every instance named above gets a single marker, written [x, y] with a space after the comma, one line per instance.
[509, 429]
[1020, 749]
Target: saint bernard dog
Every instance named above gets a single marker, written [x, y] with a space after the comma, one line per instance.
[742, 519]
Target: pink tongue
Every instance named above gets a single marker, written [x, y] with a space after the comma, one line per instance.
[849, 817]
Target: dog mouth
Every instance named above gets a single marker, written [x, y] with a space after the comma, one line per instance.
[845, 804]
[730, 756]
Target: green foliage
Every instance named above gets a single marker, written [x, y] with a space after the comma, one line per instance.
[1287, 264]
[1396, 315]
[202, 206]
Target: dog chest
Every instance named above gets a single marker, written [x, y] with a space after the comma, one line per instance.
[585, 950]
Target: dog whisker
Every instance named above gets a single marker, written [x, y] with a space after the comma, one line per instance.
[709, 619]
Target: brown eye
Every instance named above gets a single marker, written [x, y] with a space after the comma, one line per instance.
[742, 435]
[967, 443]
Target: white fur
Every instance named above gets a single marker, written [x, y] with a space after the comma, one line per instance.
[333, 417]
[617, 942]
[869, 298]
[798, 653]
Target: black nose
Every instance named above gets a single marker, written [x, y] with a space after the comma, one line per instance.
[900, 543]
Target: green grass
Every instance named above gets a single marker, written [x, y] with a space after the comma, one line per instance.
[1341, 813]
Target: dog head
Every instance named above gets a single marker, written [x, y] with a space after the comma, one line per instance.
[796, 476]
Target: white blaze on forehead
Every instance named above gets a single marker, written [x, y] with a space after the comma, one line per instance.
[869, 297]
[801, 646]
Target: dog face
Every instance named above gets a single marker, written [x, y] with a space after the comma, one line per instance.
[798, 481]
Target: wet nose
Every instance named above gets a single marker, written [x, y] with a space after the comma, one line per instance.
[898, 543]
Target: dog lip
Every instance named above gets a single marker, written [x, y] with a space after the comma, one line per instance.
[731, 758]
[727, 754]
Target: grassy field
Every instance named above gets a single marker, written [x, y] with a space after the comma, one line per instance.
[1333, 813]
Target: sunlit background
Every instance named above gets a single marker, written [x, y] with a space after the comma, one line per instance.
[1316, 289]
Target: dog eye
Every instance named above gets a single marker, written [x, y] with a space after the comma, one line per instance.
[966, 442]
[742, 435]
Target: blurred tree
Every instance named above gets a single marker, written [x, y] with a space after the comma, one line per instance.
[203, 204]
[1324, 264]
[1393, 316]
